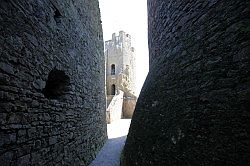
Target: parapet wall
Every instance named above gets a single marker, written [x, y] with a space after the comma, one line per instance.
[114, 110]
[52, 89]
[194, 105]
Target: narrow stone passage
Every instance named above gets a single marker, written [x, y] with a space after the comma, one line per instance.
[111, 151]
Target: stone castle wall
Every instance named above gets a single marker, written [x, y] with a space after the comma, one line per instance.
[113, 55]
[194, 104]
[52, 89]
[129, 107]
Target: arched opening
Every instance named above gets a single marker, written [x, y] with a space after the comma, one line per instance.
[112, 69]
[56, 85]
[113, 89]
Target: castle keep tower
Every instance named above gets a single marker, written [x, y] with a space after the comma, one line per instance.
[120, 71]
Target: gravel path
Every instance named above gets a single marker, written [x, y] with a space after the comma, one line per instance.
[111, 151]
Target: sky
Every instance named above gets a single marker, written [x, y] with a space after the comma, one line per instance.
[131, 17]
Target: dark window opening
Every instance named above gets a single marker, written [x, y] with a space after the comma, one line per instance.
[113, 69]
[113, 89]
[56, 85]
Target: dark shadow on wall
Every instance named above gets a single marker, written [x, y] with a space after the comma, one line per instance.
[56, 85]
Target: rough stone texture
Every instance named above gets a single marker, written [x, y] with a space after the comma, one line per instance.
[121, 55]
[129, 104]
[194, 105]
[35, 38]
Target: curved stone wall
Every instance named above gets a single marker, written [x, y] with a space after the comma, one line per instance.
[194, 106]
[52, 89]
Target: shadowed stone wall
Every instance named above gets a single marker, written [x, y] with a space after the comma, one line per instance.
[52, 89]
[194, 106]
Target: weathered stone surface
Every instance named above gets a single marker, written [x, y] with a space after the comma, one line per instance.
[194, 106]
[35, 38]
[129, 106]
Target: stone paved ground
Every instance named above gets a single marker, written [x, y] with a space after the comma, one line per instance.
[111, 151]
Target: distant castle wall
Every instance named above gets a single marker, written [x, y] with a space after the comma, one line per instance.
[52, 88]
[129, 106]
